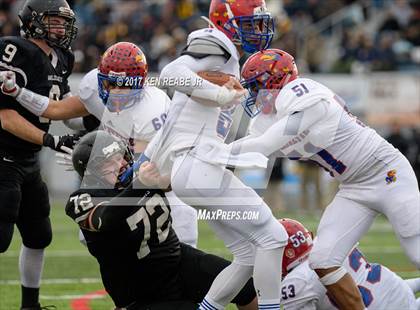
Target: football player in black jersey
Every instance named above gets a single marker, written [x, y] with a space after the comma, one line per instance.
[42, 62]
[128, 230]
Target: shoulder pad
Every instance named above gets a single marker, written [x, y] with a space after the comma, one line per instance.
[206, 46]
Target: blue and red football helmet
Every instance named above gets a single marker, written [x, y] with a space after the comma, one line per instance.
[264, 74]
[122, 66]
[246, 22]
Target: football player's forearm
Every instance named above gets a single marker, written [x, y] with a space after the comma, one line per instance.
[70, 107]
[185, 68]
[14, 123]
[39, 105]
[267, 143]
[283, 136]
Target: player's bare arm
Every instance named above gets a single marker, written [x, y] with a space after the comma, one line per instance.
[67, 108]
[17, 125]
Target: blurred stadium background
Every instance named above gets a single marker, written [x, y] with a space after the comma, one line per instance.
[368, 51]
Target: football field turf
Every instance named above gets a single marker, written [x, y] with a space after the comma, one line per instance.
[71, 277]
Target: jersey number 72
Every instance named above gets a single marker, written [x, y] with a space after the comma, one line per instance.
[146, 215]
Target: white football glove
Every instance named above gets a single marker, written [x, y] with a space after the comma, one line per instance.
[64, 158]
[8, 83]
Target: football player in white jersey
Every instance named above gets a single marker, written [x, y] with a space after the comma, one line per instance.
[116, 95]
[380, 288]
[312, 123]
[199, 113]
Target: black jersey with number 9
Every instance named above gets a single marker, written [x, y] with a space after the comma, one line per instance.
[38, 72]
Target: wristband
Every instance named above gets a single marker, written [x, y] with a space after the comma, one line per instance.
[35, 103]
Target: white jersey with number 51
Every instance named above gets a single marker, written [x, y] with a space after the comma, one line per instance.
[323, 130]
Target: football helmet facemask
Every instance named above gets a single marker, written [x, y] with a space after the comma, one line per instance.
[245, 22]
[92, 154]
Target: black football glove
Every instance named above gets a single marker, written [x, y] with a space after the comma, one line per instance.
[56, 142]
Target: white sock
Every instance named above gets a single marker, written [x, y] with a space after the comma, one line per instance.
[267, 277]
[418, 303]
[414, 284]
[208, 304]
[226, 286]
[31, 264]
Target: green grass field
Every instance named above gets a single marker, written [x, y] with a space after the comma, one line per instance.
[70, 272]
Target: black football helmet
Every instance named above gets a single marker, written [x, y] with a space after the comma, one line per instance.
[34, 25]
[93, 150]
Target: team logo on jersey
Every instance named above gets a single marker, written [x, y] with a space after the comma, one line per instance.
[391, 176]
[290, 253]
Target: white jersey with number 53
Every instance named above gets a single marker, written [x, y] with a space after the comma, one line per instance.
[381, 289]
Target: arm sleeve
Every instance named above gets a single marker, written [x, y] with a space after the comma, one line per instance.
[186, 67]
[284, 134]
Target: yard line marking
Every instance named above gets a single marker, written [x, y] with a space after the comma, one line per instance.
[67, 253]
[82, 303]
[56, 281]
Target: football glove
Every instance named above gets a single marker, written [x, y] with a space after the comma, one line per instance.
[64, 158]
[57, 142]
[8, 83]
